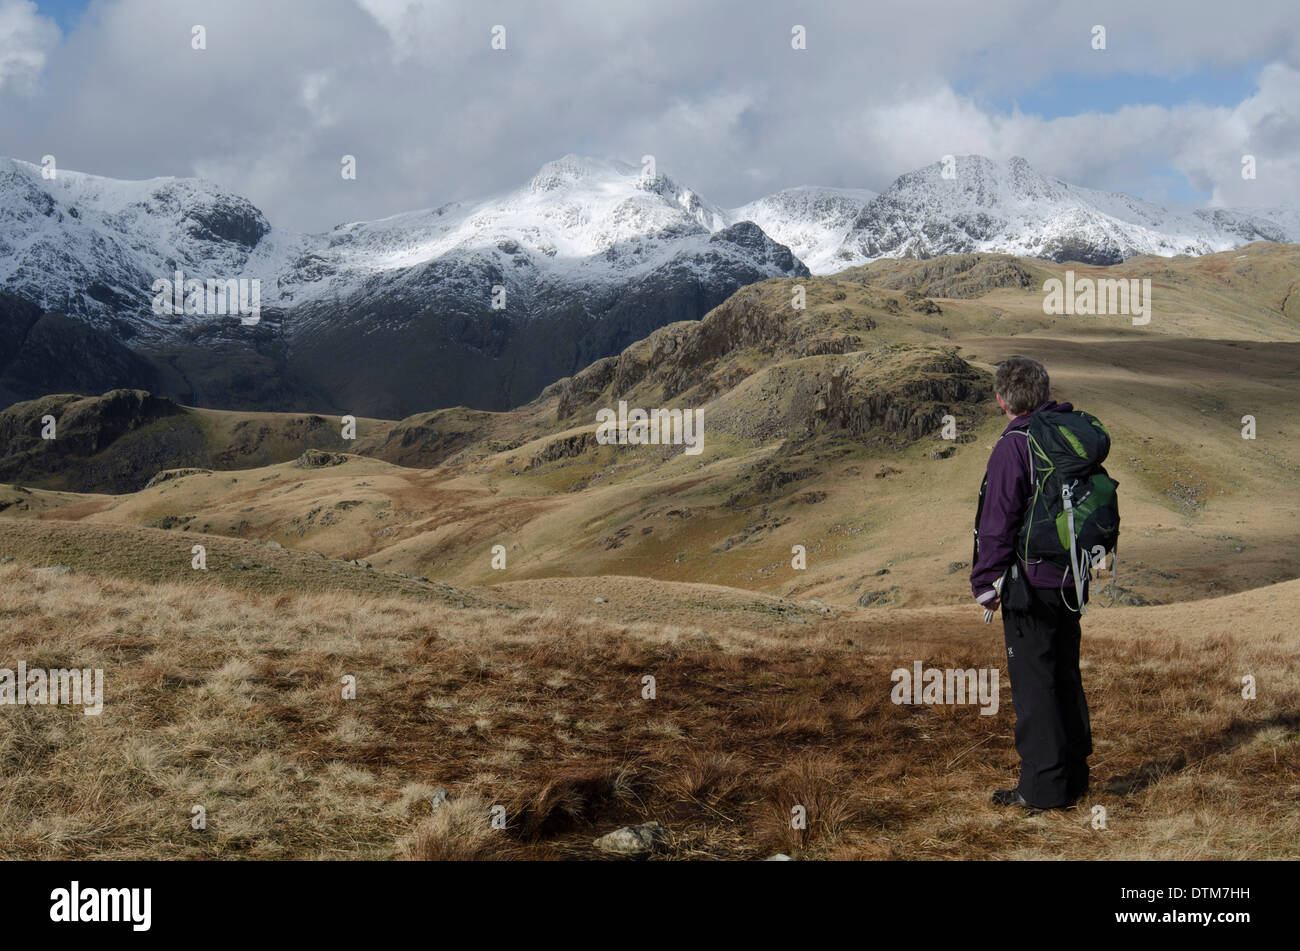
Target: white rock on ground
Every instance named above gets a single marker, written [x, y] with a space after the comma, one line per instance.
[634, 840]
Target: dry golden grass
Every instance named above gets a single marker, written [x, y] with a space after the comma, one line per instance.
[231, 700]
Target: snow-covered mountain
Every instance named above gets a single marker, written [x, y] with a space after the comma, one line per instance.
[591, 256]
[91, 247]
[1011, 208]
[577, 220]
[405, 313]
[477, 302]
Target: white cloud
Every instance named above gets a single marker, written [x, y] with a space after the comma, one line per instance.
[714, 92]
[26, 38]
[314, 89]
[400, 20]
[1123, 150]
[1267, 126]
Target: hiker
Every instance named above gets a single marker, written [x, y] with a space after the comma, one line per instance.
[1040, 584]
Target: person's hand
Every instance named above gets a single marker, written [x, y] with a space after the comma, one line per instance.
[990, 605]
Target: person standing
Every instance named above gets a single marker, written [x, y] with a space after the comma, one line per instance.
[1040, 625]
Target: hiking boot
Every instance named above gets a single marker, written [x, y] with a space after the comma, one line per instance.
[1008, 797]
[1012, 797]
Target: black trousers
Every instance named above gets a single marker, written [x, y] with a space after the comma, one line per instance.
[1053, 736]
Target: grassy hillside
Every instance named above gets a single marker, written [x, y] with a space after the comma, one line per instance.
[822, 430]
[118, 441]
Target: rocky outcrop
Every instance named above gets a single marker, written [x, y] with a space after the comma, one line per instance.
[427, 439]
[227, 218]
[956, 276]
[566, 447]
[82, 425]
[167, 475]
[580, 390]
[681, 357]
[904, 391]
[317, 459]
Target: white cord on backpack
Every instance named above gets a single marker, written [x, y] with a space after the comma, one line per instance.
[1067, 497]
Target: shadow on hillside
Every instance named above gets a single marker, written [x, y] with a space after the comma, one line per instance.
[1239, 732]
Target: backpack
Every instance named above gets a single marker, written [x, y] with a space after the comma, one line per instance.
[1073, 515]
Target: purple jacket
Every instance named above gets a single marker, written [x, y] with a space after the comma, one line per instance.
[1006, 498]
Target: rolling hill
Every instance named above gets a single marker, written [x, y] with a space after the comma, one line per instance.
[822, 430]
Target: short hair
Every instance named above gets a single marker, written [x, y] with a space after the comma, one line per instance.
[1022, 383]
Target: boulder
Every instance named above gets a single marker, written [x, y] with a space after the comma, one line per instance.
[634, 840]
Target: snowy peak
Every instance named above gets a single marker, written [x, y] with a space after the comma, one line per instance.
[975, 204]
[191, 207]
[614, 198]
[92, 246]
[576, 213]
[578, 177]
[572, 171]
[978, 181]
[479, 303]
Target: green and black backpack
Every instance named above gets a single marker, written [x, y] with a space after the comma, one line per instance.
[1073, 514]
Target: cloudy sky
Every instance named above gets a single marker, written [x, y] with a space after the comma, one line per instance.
[714, 90]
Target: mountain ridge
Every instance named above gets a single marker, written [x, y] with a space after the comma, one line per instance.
[485, 303]
[582, 208]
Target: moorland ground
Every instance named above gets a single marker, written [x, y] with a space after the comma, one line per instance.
[522, 687]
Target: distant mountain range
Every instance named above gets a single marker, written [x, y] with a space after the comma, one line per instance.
[1011, 208]
[485, 303]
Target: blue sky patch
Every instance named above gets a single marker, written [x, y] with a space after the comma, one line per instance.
[65, 13]
[1067, 94]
